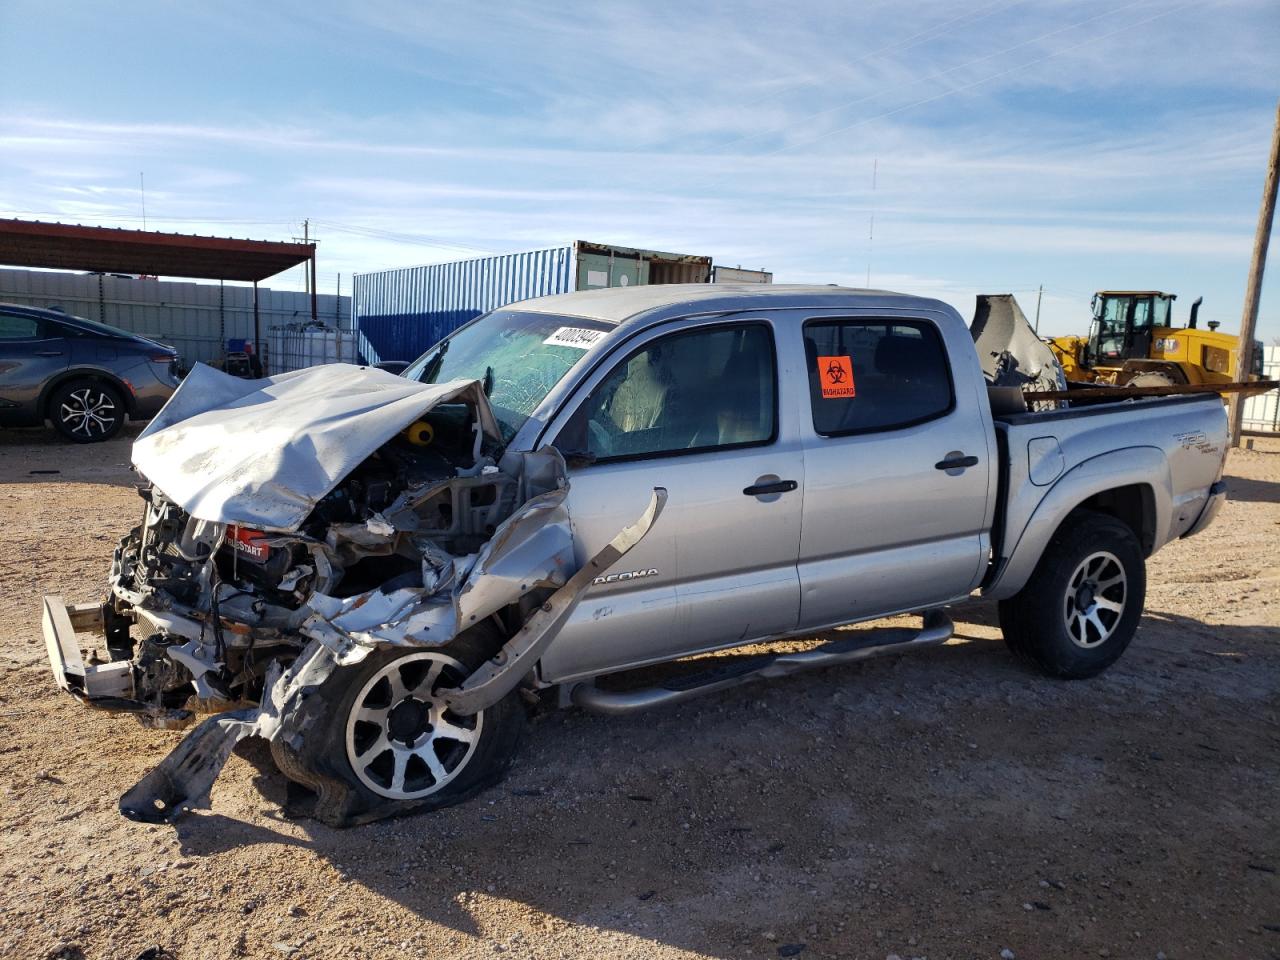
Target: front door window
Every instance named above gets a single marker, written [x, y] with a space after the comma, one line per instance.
[686, 393]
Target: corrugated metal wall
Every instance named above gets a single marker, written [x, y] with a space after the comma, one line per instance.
[295, 347]
[1263, 412]
[400, 313]
[195, 318]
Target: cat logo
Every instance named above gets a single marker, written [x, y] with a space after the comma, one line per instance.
[623, 577]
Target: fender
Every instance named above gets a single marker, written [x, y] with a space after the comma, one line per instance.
[1132, 466]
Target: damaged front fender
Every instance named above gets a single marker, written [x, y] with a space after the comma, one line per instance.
[532, 549]
[500, 675]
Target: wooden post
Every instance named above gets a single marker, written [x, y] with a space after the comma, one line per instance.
[1253, 292]
[257, 328]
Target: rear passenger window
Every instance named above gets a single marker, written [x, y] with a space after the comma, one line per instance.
[16, 327]
[872, 375]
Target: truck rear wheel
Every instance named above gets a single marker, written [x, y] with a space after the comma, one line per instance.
[1080, 609]
[374, 741]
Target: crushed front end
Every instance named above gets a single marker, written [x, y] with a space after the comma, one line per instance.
[314, 531]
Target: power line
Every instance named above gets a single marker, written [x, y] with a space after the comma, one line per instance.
[919, 37]
[376, 233]
[974, 83]
[933, 76]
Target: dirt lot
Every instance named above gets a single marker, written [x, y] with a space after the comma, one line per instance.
[944, 804]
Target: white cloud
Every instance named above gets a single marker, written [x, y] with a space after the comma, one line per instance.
[1065, 137]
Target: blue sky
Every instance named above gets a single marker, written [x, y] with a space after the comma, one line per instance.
[1078, 145]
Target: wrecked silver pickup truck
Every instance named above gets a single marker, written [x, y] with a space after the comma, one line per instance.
[377, 573]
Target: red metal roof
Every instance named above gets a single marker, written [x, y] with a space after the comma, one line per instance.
[30, 243]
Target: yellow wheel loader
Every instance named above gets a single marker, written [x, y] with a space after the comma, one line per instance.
[1132, 342]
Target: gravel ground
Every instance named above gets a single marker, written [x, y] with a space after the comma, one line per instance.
[949, 803]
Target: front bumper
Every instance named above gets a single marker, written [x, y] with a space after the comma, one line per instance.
[107, 686]
[61, 622]
[1217, 497]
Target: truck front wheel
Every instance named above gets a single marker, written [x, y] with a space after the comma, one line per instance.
[1078, 612]
[374, 740]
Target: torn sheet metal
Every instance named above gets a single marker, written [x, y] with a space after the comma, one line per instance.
[500, 675]
[1011, 353]
[183, 780]
[531, 549]
[263, 452]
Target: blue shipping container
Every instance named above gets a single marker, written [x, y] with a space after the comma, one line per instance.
[399, 314]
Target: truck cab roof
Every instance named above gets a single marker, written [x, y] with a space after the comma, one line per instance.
[621, 305]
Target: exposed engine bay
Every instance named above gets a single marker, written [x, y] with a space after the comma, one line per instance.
[291, 527]
[215, 603]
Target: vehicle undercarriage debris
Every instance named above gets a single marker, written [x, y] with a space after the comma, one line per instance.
[325, 529]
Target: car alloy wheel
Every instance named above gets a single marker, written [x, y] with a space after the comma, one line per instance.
[88, 412]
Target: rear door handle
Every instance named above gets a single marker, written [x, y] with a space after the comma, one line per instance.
[763, 489]
[49, 353]
[956, 463]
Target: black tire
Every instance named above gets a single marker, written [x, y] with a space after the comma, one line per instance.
[312, 747]
[1063, 620]
[86, 411]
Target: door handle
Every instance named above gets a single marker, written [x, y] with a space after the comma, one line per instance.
[956, 462]
[49, 353]
[763, 489]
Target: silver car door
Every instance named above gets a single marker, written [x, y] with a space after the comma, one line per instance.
[898, 466]
[695, 408]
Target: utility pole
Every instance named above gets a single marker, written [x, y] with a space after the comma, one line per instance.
[142, 189]
[1039, 296]
[306, 238]
[1253, 292]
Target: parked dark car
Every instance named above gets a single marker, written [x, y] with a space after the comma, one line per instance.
[84, 377]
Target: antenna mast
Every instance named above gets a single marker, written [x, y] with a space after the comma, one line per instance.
[871, 225]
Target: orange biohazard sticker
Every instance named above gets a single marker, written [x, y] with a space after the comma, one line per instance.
[836, 376]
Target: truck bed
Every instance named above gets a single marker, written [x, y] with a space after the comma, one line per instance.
[1163, 455]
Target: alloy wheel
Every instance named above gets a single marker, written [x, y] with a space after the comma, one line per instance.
[1095, 599]
[403, 743]
[88, 412]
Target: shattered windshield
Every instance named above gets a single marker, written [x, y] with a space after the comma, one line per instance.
[518, 357]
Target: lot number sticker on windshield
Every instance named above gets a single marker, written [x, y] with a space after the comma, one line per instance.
[836, 376]
[579, 337]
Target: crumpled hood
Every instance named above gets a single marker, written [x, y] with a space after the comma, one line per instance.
[263, 452]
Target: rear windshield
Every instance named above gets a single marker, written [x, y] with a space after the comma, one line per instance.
[518, 356]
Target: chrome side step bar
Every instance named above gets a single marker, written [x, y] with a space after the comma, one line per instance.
[937, 629]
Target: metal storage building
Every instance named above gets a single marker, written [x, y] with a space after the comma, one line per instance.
[120, 287]
[195, 318]
[398, 314]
